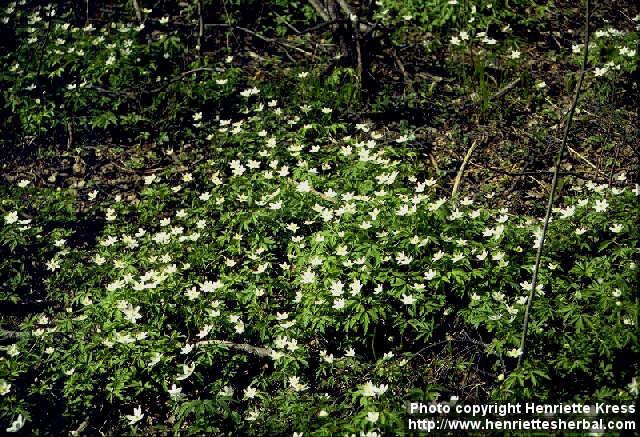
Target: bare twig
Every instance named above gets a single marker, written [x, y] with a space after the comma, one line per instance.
[399, 63]
[260, 36]
[467, 156]
[511, 85]
[83, 425]
[570, 149]
[136, 8]
[261, 352]
[200, 25]
[345, 8]
[286, 23]
[7, 337]
[179, 77]
[320, 10]
[554, 185]
[356, 29]
[320, 26]
[583, 176]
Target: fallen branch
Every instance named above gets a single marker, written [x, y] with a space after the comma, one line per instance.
[585, 177]
[582, 157]
[554, 185]
[261, 352]
[320, 26]
[83, 425]
[260, 36]
[473, 147]
[511, 85]
[178, 78]
[320, 10]
[200, 25]
[136, 8]
[8, 337]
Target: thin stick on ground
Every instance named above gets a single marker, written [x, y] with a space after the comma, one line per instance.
[136, 8]
[467, 156]
[260, 36]
[554, 185]
[200, 25]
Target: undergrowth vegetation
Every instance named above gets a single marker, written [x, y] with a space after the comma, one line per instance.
[274, 267]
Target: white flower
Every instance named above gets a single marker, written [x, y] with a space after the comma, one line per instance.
[211, 286]
[111, 215]
[226, 391]
[5, 387]
[580, 231]
[616, 228]
[175, 391]
[370, 390]
[155, 360]
[567, 212]
[11, 218]
[13, 351]
[250, 392]
[23, 183]
[249, 92]
[601, 205]
[372, 416]
[457, 257]
[303, 187]
[626, 51]
[403, 259]
[540, 85]
[515, 54]
[408, 299]
[514, 353]
[131, 313]
[633, 385]
[17, 424]
[526, 286]
[341, 251]
[295, 384]
[186, 371]
[430, 274]
[337, 288]
[308, 277]
[53, 264]
[356, 287]
[136, 416]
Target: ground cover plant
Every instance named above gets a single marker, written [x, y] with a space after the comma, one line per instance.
[211, 223]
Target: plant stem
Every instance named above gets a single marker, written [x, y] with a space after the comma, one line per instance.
[554, 185]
